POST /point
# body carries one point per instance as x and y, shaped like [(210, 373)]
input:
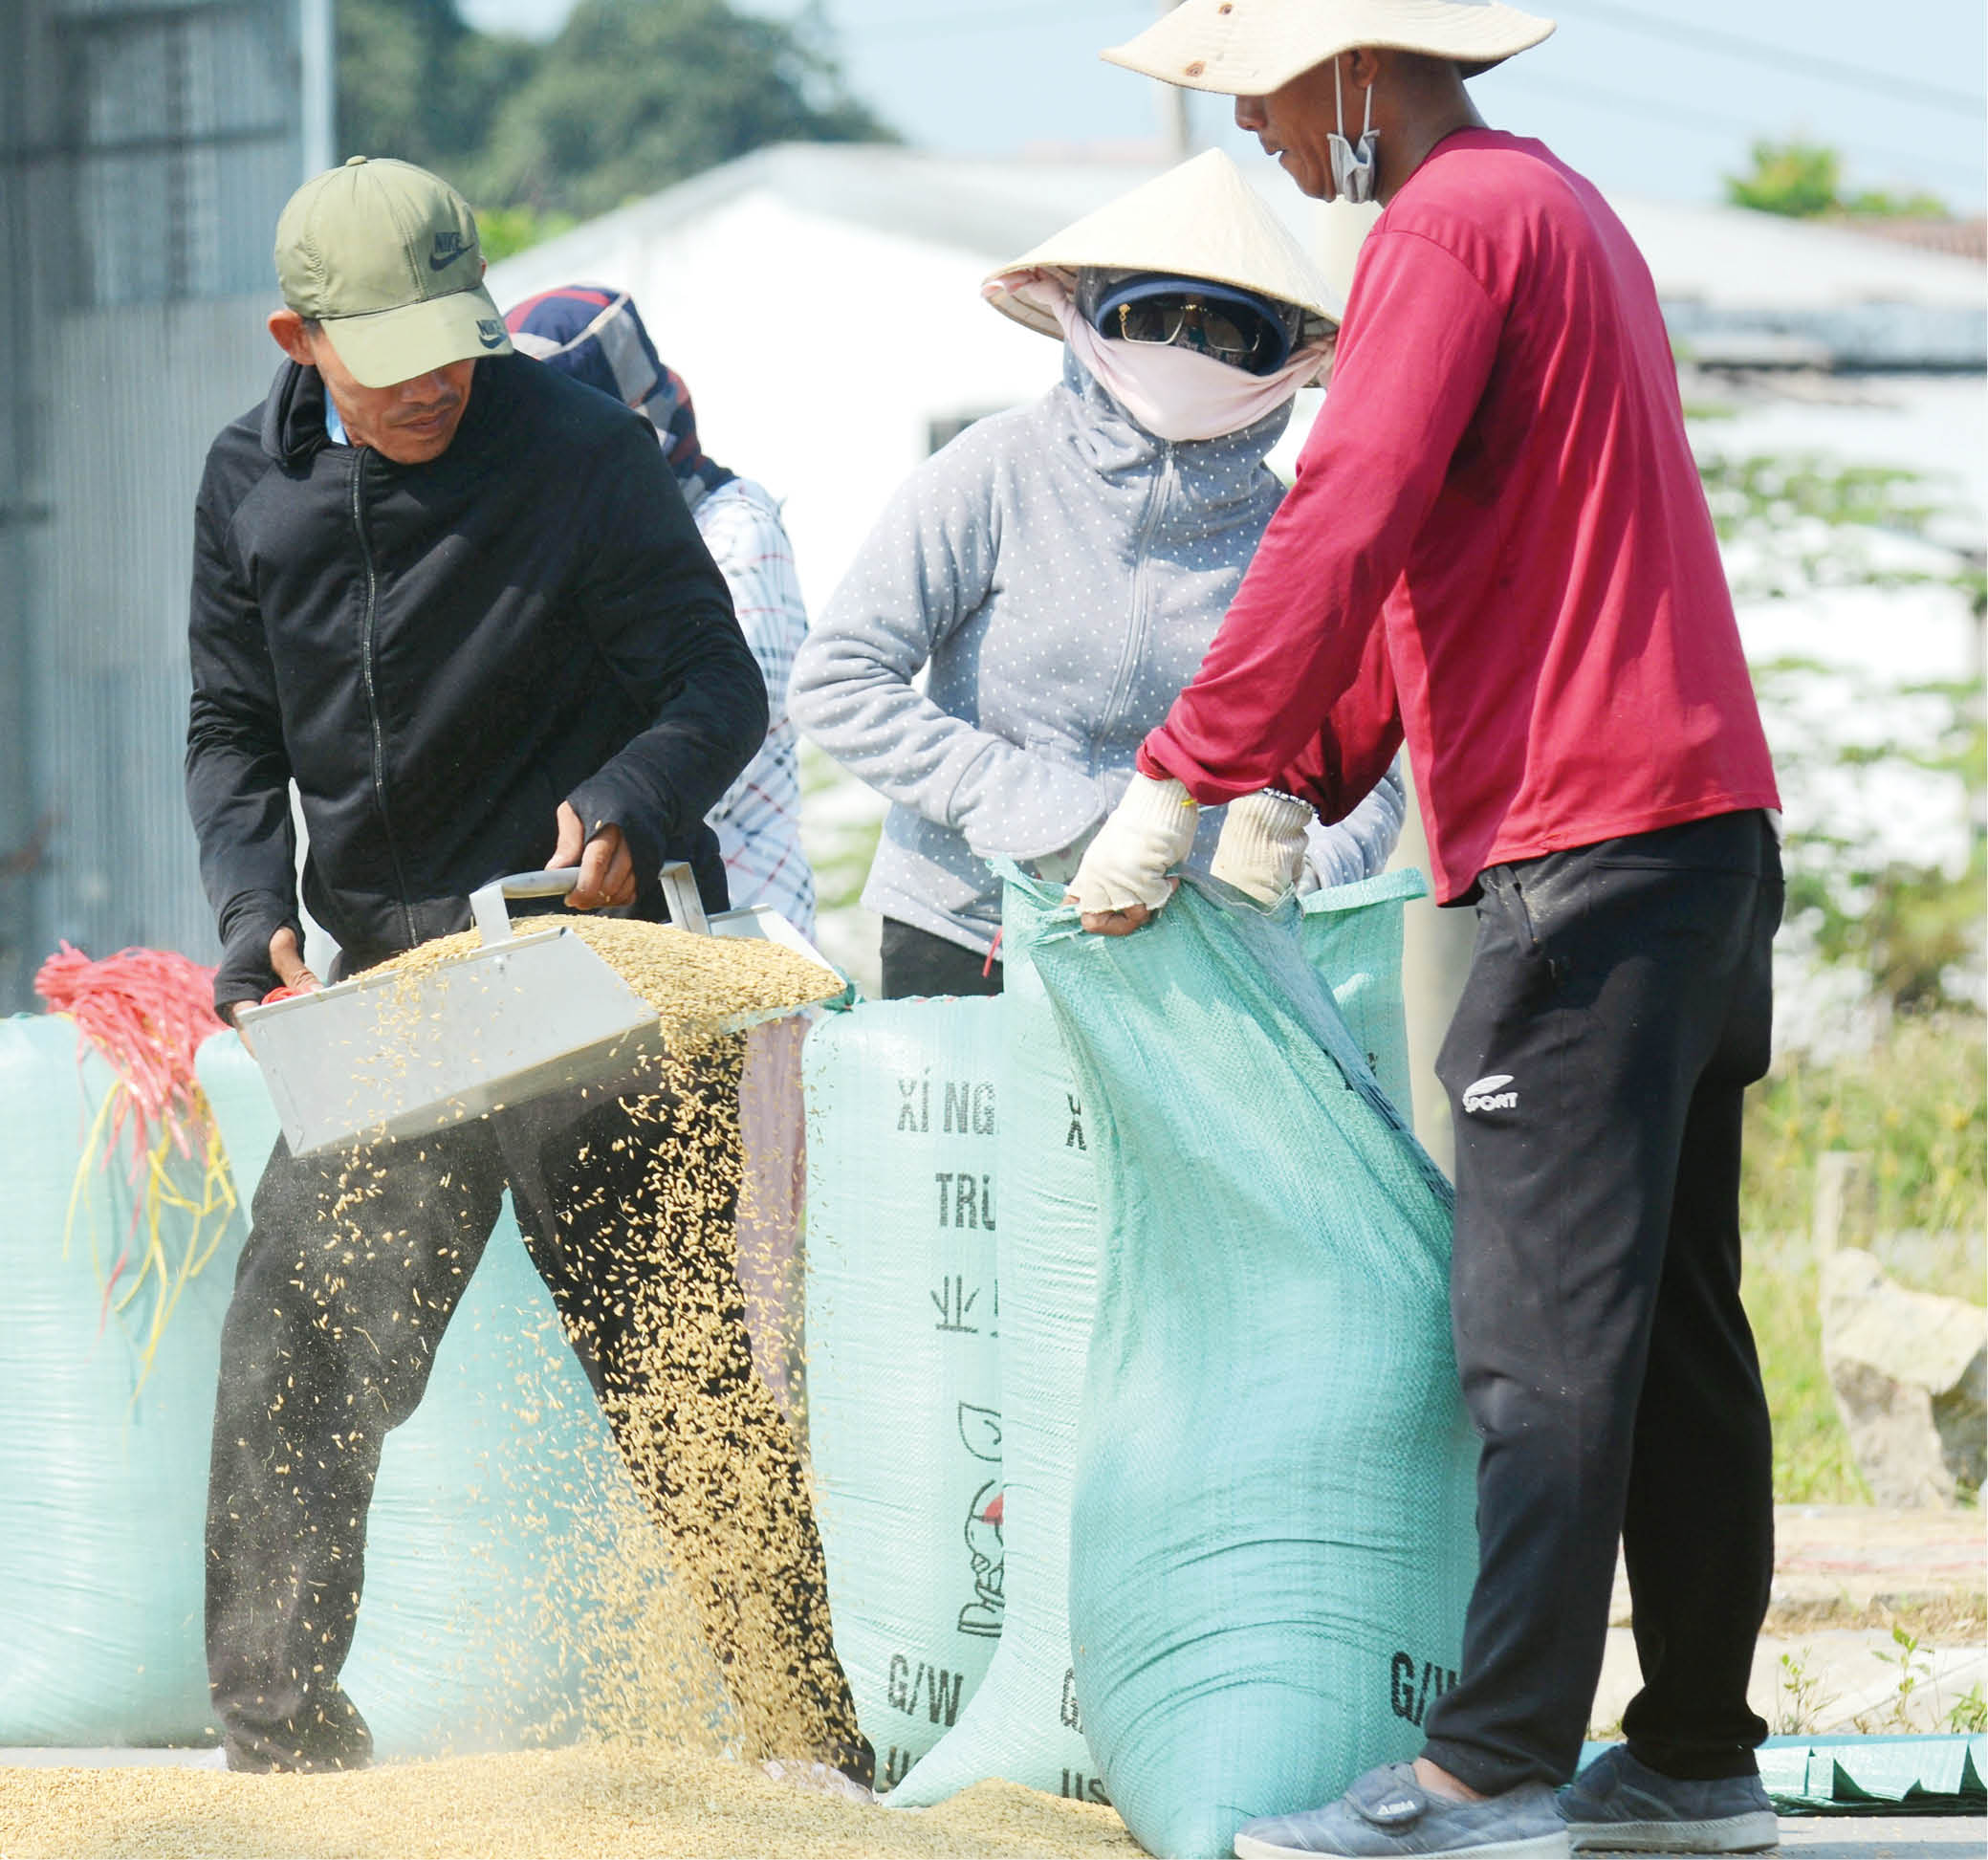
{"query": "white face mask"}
[(1353, 168)]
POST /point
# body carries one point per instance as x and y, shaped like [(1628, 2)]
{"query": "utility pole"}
[(1176, 125), (318, 87)]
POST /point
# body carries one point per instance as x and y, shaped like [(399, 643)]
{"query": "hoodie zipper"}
[(1136, 632), (368, 640)]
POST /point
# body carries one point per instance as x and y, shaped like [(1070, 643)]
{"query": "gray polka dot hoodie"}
[(1057, 573)]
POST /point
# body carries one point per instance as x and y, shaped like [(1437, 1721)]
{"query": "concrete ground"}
[(1910, 1837)]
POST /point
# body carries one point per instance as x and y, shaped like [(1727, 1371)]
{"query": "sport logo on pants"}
[(1490, 1094)]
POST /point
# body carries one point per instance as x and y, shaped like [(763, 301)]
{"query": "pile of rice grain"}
[(694, 983), (589, 1800)]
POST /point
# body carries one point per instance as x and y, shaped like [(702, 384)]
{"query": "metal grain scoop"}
[(533, 1011)]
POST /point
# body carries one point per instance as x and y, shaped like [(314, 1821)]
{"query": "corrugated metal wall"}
[(145, 149), (20, 486), (110, 681)]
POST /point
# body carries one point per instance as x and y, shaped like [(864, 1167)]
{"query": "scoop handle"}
[(680, 893), (486, 900)]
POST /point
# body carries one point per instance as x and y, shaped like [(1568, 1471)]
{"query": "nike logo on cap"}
[(489, 332), (448, 248)]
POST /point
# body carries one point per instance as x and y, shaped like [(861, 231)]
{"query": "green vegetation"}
[(507, 229), (630, 97), (1803, 1699), (1918, 1106), (1813, 1464), (1805, 519), (1805, 181), (1970, 1715), (1918, 1102)]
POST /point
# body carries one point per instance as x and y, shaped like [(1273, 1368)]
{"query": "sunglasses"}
[(1215, 330)]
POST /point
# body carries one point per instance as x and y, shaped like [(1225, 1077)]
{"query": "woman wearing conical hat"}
[(1056, 571)]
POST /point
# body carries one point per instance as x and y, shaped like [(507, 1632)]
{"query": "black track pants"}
[(352, 1270), (1619, 1003), (916, 962)]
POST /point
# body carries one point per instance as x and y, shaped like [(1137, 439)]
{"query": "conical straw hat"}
[(1199, 220), (1250, 48)]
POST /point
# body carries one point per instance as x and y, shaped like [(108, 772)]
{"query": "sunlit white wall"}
[(819, 352)]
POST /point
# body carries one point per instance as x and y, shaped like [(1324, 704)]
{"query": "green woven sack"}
[(103, 1483), (1270, 1534), (1351, 934), (904, 1373), (1025, 1723)]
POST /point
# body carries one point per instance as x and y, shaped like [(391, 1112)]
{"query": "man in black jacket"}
[(457, 598)]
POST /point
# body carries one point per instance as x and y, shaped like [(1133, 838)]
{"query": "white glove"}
[(1262, 850), (1145, 836)]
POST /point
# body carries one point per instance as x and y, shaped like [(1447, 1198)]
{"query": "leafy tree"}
[(1799, 179), (417, 83), (634, 95), (1805, 181), (631, 96), (505, 230)]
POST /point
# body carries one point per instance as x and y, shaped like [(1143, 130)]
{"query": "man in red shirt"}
[(1497, 548)]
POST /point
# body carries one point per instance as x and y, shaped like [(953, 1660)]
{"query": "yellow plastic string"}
[(94, 1157), (163, 1197)]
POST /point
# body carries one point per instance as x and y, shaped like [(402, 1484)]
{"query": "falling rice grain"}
[(691, 1592)]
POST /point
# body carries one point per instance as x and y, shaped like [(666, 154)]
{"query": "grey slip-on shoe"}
[(1387, 1813), (1618, 1804)]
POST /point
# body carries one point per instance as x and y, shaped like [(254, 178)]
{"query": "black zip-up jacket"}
[(438, 654)]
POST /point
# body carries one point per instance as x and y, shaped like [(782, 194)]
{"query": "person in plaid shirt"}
[(597, 336)]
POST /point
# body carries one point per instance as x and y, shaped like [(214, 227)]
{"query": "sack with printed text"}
[(1025, 1722), (902, 1370)]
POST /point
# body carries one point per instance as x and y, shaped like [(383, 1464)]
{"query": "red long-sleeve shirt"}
[(1498, 544)]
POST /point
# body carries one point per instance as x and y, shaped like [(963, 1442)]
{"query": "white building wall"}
[(819, 352)]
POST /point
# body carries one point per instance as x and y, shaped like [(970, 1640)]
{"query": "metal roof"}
[(1740, 288)]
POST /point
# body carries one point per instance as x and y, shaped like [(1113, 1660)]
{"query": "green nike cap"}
[(384, 256)]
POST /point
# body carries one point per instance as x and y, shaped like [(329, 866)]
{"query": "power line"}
[(1683, 115), (1734, 44), (1779, 57)]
